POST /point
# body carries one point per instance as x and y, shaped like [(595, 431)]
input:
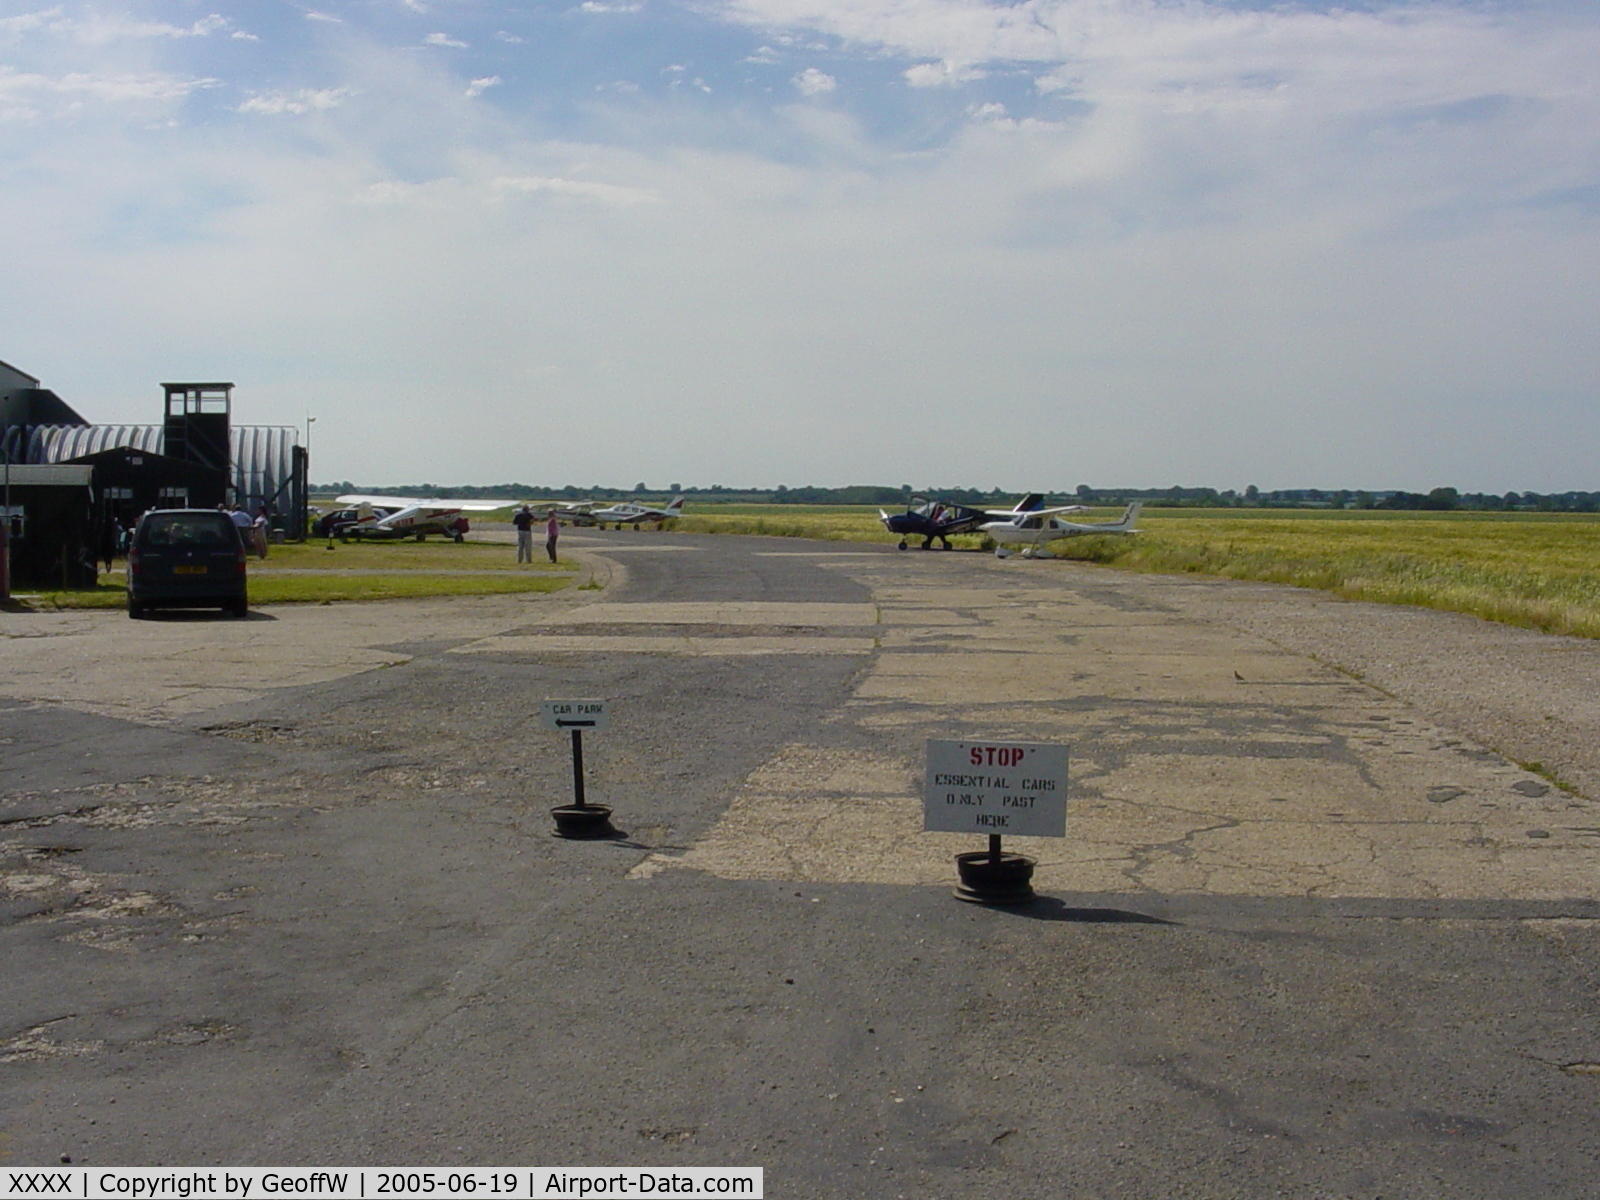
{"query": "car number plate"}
[(188, 570)]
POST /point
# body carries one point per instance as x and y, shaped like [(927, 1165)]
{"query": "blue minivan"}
[(186, 558)]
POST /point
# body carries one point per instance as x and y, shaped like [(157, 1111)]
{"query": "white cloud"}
[(478, 86), (610, 6), (812, 82), (314, 15), (297, 103), (12, 28), (502, 36), (444, 39), (600, 193), (942, 74), (98, 29), (28, 96)]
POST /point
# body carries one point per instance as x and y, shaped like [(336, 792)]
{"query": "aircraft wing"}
[(429, 502)]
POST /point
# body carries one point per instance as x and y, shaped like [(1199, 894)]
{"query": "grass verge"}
[(312, 574)]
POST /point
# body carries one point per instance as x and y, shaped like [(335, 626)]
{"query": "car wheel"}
[(239, 608), (135, 611)]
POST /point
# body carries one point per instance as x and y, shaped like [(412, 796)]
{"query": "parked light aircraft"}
[(579, 513), (1035, 530), (940, 519), (637, 514), (405, 516)]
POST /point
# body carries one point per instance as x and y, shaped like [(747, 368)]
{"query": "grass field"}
[(1537, 571), (840, 523)]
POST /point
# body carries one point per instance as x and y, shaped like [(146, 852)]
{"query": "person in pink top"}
[(552, 530)]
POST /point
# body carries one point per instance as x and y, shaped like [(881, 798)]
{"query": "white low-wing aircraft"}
[(637, 514), (406, 516), (1033, 531)]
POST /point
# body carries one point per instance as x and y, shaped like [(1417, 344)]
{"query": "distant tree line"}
[(1441, 499)]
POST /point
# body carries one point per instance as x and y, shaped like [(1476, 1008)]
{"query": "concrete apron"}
[(1204, 759), (169, 668)]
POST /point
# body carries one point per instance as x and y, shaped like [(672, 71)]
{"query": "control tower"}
[(197, 426)]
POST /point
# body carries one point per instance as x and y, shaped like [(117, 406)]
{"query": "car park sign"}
[(995, 788), (575, 714)]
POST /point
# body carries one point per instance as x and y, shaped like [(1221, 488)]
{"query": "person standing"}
[(259, 530), (245, 526), (552, 530), (523, 520)]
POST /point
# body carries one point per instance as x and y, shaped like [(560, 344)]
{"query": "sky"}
[(1031, 245)]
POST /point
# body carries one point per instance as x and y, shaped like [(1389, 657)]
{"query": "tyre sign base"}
[(995, 788)]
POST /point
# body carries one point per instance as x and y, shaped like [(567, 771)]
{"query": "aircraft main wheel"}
[(902, 543), (1001, 552), (459, 539)]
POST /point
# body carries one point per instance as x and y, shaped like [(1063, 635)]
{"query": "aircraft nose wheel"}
[(902, 543)]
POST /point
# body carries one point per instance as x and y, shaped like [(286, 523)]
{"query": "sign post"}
[(580, 819), (995, 788)]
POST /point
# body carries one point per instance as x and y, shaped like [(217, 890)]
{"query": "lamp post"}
[(304, 515)]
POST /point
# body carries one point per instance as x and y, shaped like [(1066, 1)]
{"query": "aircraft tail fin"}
[(676, 506), (1030, 502)]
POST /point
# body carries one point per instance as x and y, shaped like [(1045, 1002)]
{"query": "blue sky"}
[(752, 242)]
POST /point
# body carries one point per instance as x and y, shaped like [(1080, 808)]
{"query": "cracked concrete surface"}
[(1206, 758)]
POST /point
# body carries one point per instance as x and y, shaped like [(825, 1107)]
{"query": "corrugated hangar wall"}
[(262, 455)]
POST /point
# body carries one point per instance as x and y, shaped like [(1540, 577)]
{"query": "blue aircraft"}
[(942, 519)]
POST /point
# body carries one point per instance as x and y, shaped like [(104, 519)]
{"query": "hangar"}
[(196, 456)]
